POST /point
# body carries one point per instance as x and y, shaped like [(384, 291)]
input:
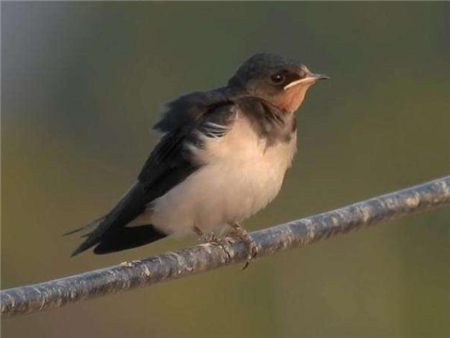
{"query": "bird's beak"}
[(318, 77), (310, 79)]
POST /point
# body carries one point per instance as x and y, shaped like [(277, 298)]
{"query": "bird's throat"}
[(291, 99)]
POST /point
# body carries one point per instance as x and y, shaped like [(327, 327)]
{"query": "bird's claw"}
[(252, 252), (207, 237), (213, 238), (210, 237), (239, 233), (250, 244)]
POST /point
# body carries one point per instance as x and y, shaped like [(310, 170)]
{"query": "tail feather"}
[(87, 244), (129, 207), (128, 238), (85, 227)]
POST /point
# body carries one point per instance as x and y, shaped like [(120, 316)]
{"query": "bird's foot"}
[(250, 244), (207, 237), (213, 238)]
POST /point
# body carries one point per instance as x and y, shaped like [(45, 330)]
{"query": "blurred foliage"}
[(83, 82)]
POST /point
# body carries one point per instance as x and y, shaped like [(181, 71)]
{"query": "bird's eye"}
[(277, 78)]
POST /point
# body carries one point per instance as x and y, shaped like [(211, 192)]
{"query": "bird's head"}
[(273, 78)]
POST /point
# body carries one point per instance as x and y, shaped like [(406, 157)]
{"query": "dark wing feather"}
[(192, 107), (168, 165)]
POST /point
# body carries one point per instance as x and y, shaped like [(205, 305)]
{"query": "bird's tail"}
[(93, 224), (91, 240), (112, 232), (128, 238), (117, 239)]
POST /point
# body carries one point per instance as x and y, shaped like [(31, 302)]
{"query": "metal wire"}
[(126, 276)]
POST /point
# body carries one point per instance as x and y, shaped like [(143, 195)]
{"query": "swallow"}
[(221, 157)]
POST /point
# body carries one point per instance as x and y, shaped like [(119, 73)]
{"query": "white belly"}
[(239, 177)]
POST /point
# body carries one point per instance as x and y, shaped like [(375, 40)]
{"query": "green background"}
[(82, 83)]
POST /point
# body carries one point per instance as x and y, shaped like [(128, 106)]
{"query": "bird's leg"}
[(206, 238), (212, 238), (242, 234)]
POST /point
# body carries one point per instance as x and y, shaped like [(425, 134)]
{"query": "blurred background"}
[(82, 84)]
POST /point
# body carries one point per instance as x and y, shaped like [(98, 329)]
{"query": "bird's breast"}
[(240, 174)]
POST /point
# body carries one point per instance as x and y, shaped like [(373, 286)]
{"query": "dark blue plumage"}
[(258, 92), (168, 165)]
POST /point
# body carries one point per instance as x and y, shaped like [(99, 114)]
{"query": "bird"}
[(221, 157)]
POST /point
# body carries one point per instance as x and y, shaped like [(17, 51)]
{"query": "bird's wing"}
[(169, 164)]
